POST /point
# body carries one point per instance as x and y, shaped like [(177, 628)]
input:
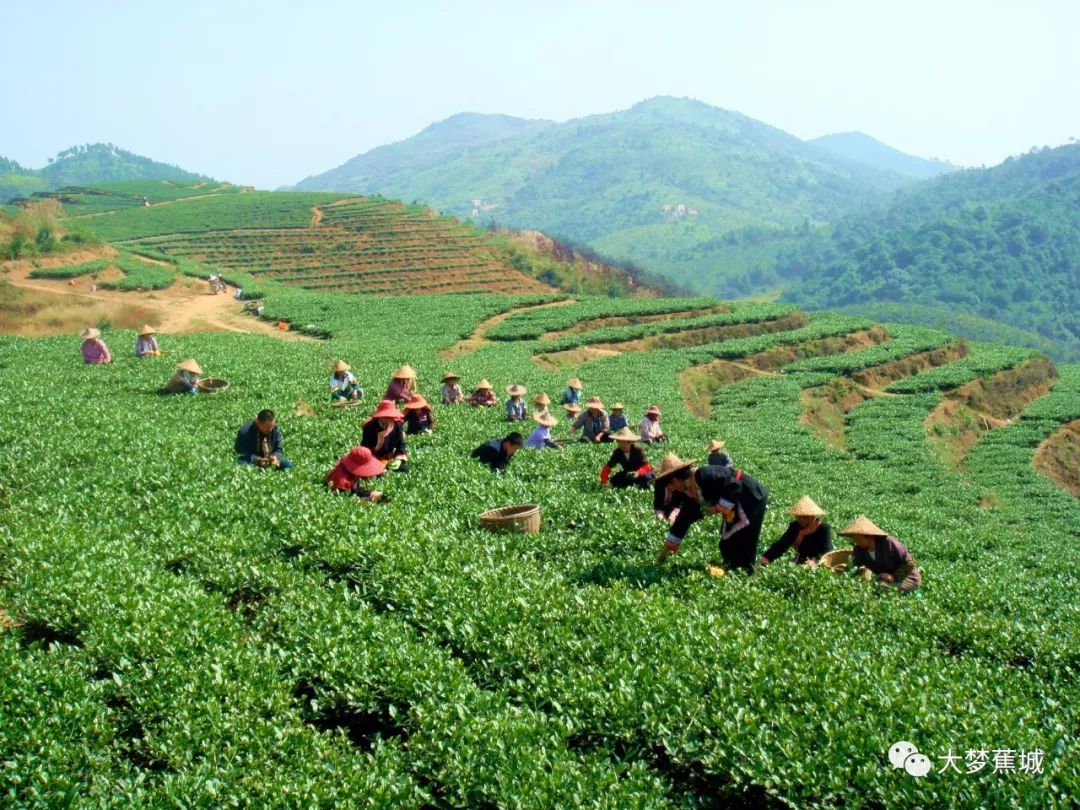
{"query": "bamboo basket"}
[(837, 561), (524, 518), (211, 385)]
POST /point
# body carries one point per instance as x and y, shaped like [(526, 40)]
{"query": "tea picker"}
[(258, 442), (384, 436), (636, 470), (498, 452), (807, 534), (738, 497)]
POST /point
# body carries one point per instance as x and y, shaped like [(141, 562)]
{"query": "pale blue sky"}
[(267, 93)]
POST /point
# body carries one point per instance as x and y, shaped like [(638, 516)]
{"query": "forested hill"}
[(1000, 243), (860, 148), (85, 165), (675, 185), (442, 141)]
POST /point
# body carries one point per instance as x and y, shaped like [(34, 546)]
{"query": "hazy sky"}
[(268, 93)]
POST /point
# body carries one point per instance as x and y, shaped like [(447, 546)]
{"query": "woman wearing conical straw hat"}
[(617, 418), (650, 426), (186, 378), (541, 401), (355, 472), (483, 396), (384, 436), (419, 416), (540, 438), (343, 384), (146, 344), (592, 422), (808, 534), (94, 350), (716, 456), (636, 470), (516, 408), (451, 390), (738, 497), (572, 394), (402, 385), (878, 553)]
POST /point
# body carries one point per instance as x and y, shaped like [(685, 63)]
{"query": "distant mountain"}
[(674, 185), (84, 165), (1001, 243), (859, 148), (438, 143)]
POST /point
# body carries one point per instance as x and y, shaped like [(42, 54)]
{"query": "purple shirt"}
[(397, 391), (890, 556), (94, 351), (538, 437), (145, 344)]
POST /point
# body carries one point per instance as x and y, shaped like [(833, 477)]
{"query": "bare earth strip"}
[(479, 337), (52, 307), (1058, 458)]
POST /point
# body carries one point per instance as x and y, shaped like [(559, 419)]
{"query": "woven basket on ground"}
[(838, 560), (211, 385), (524, 518)]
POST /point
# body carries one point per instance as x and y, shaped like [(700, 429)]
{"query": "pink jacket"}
[(95, 352)]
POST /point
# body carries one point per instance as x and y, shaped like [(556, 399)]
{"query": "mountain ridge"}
[(671, 184), (861, 148)]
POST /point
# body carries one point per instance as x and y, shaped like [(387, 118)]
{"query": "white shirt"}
[(649, 428), (337, 385)]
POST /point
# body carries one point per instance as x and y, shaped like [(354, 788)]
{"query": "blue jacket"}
[(247, 442)]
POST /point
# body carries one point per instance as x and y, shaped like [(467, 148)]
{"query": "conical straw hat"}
[(147, 330), (516, 390), (618, 406), (484, 384), (450, 376), (671, 464), (542, 399), (715, 446), (90, 332), (190, 365), (572, 408), (595, 402), (341, 365), (805, 507), (405, 372), (546, 419), (574, 382), (625, 434), (863, 525)]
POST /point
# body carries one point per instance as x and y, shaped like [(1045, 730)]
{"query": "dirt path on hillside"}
[(479, 338), (50, 307)]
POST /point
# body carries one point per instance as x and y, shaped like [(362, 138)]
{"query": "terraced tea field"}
[(315, 241), (181, 631)]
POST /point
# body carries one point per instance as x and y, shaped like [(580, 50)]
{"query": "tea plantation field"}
[(188, 633), (324, 241)]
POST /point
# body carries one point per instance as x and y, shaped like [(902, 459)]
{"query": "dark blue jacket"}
[(492, 454), (247, 442)]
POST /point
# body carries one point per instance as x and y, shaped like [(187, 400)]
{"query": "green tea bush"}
[(71, 271), (201, 634)]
